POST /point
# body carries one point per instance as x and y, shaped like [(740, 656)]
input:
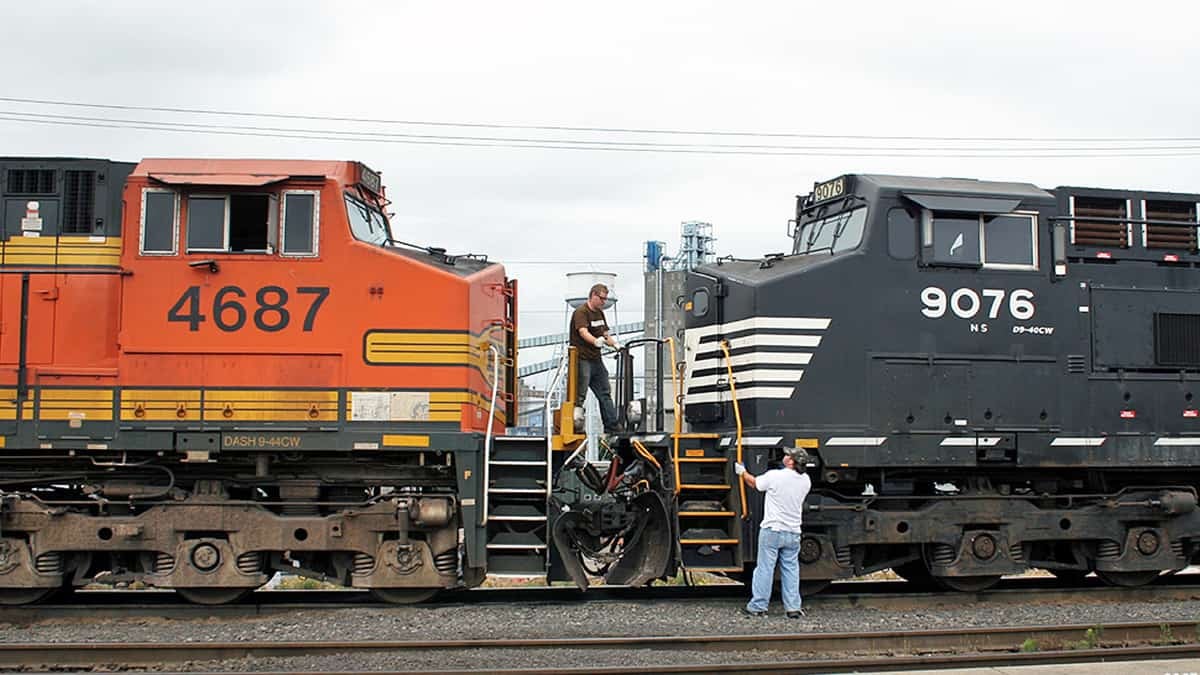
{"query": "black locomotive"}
[(989, 377)]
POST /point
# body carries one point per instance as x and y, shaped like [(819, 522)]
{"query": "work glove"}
[(600, 342), (616, 345), (739, 468)]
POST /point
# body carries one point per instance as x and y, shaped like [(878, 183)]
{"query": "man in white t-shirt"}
[(779, 533)]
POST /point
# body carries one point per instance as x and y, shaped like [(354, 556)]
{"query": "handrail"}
[(675, 406), (675, 382), (737, 414), (546, 414), (487, 439)]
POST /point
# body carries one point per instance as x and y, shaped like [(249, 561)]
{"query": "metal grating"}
[(1109, 227), (79, 198), (31, 181), (1170, 225), (1177, 339)]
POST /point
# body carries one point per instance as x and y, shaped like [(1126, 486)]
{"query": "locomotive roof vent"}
[(1170, 224), (1100, 221), (30, 181)]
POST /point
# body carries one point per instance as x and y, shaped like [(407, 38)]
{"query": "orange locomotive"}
[(239, 372)]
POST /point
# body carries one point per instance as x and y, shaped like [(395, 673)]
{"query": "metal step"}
[(517, 512), (519, 449), (516, 564), (526, 541)]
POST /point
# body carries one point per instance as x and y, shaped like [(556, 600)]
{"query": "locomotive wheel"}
[(213, 596), (404, 596), (1128, 579), (25, 596), (968, 584)]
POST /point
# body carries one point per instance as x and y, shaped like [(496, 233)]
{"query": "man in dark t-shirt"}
[(589, 332)]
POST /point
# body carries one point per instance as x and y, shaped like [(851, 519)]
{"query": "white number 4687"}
[(967, 303)]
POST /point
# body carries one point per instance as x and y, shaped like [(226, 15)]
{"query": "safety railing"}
[(558, 373), (737, 416), (487, 438)]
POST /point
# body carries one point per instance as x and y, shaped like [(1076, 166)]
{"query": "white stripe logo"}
[(769, 365)]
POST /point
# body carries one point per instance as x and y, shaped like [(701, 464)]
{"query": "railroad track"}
[(884, 595), (802, 652)]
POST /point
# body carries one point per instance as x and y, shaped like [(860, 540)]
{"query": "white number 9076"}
[(967, 303)]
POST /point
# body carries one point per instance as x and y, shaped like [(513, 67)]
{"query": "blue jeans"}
[(785, 547), (593, 375)]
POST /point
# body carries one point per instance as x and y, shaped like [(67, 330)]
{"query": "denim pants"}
[(593, 375), (785, 547)]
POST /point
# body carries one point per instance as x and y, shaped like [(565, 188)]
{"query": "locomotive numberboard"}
[(830, 189)]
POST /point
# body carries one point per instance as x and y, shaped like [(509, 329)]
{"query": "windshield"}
[(836, 233), (367, 223)]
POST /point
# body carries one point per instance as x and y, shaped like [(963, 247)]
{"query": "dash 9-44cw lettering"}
[(269, 312)]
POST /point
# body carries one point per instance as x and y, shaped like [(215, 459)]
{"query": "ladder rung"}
[(521, 518), (516, 547), (701, 514), (516, 462), (708, 541), (691, 568), (693, 486), (712, 460), (697, 435), (517, 491)]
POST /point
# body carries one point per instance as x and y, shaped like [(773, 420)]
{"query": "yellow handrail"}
[(675, 387), (675, 406), (737, 414)]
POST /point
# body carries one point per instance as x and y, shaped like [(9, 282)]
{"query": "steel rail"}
[(997, 644), (883, 595)]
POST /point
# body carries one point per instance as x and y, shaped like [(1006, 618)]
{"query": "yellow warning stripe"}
[(8, 404), (64, 251), (160, 405), (76, 404)]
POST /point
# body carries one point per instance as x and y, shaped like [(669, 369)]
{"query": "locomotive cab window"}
[(998, 241), (367, 223), (300, 225), (834, 234), (160, 222), (235, 223)]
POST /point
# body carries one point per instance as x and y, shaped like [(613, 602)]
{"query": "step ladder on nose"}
[(518, 491), (708, 505)]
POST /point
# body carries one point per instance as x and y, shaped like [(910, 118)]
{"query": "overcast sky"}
[(979, 71)]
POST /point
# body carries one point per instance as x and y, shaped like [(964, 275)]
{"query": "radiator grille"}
[(1171, 225), (31, 181), (1109, 227), (1176, 339), (79, 200), (1076, 363)]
